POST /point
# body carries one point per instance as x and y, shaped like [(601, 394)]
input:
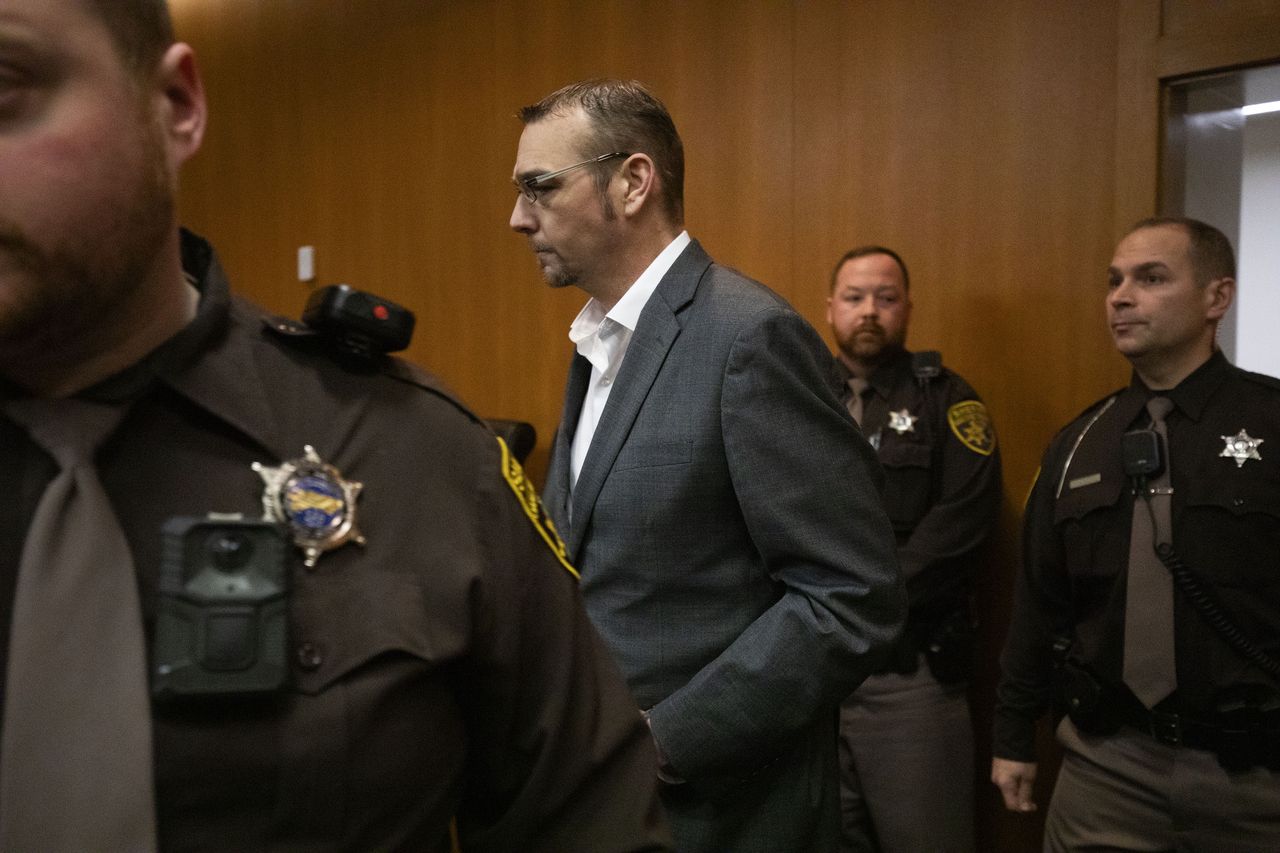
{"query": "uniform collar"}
[(210, 320), (206, 362), (1191, 395), (892, 373), (215, 363), (884, 378)]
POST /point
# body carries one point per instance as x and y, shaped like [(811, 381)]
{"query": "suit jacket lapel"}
[(657, 330), (556, 494)]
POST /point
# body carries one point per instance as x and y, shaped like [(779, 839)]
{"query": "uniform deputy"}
[(1147, 605), (432, 656), (906, 736)]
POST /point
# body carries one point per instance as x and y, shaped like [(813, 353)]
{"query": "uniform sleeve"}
[(1041, 608), (807, 486), (560, 759), (967, 497)]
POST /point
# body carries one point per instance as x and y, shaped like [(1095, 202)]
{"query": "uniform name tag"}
[(1085, 481)]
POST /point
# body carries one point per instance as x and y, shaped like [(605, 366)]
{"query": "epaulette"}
[(297, 335), (1262, 379), (926, 365), (411, 374), (1094, 408), (292, 332)]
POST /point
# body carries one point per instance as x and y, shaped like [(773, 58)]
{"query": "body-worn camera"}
[(222, 612), (362, 324), (1142, 453)]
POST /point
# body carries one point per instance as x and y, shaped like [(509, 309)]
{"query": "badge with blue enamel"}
[(310, 497)]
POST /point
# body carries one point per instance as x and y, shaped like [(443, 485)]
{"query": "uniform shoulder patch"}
[(513, 473), (972, 425)]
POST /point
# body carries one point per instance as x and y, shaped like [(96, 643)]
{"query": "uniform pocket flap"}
[(354, 627), (1082, 495), (1239, 495), (905, 455)]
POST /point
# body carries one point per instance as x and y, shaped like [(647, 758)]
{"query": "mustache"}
[(869, 326), (11, 236), (16, 243)]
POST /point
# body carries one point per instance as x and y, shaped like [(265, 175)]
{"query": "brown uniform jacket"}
[(1226, 526), (942, 469), (445, 668)]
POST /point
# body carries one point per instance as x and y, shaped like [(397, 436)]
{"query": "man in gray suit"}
[(719, 502)]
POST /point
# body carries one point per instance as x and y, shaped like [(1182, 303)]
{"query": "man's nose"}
[(521, 220)]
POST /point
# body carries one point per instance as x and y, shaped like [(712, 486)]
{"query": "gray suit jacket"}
[(734, 553)]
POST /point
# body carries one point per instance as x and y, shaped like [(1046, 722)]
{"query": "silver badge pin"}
[(903, 421), (1241, 447)]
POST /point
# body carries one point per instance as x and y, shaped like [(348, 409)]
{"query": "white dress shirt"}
[(602, 339)]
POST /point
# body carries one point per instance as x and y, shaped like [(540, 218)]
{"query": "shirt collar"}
[(626, 312)]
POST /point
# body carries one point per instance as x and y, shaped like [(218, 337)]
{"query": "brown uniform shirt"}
[(941, 459), (1226, 526), (445, 668)]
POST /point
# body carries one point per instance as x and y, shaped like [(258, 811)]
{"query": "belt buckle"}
[(1165, 727)]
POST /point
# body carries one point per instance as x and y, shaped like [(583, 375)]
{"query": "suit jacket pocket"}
[(654, 453)]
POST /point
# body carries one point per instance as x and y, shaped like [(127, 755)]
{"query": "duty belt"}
[(1241, 739)]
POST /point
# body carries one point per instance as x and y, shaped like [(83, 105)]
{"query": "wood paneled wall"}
[(977, 137)]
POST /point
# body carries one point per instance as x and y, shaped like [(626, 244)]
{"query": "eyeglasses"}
[(531, 188)]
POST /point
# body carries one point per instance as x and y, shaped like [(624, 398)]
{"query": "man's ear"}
[(1219, 295), (639, 183), (179, 101)]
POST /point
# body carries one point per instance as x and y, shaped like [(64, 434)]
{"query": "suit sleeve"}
[(807, 486), (964, 508), (561, 758)]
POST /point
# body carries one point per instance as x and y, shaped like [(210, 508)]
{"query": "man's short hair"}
[(862, 252), (625, 116), (1211, 254), (141, 29)]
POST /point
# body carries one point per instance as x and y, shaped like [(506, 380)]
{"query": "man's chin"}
[(868, 350), (1127, 346), (557, 278)]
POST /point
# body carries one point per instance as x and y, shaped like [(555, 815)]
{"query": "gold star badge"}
[(1241, 447)]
